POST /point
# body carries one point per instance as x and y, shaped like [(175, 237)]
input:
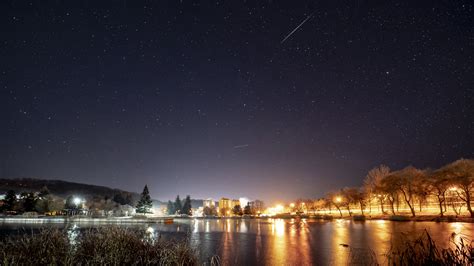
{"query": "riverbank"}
[(396, 218), (166, 219), (79, 219), (424, 218)]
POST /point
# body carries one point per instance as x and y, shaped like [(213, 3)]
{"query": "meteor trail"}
[(241, 146), (293, 31)]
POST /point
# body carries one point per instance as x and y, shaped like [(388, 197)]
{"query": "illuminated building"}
[(210, 203), (226, 205), (235, 203)]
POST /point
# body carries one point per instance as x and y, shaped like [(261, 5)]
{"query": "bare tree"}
[(372, 184), (336, 200), (353, 196), (439, 184), (310, 206), (361, 199), (461, 173), (320, 204), (407, 182), (389, 190), (421, 187)]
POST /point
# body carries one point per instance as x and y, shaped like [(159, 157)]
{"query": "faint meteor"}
[(241, 146), (293, 31)]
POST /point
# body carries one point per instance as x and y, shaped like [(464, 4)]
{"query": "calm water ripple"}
[(289, 242)]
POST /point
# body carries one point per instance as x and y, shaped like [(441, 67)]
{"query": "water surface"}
[(280, 241)]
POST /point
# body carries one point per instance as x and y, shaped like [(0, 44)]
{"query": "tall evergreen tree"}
[(247, 209), (178, 205), (145, 203), (29, 201), (187, 206), (10, 200), (170, 208)]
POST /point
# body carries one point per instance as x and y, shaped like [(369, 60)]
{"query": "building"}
[(235, 202), (210, 203), (226, 205)]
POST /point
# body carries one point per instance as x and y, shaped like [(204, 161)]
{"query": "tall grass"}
[(50, 247), (104, 246), (423, 251)]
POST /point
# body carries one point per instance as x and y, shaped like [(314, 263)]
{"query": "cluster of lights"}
[(277, 209)]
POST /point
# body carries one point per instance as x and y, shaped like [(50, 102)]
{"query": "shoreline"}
[(171, 219)]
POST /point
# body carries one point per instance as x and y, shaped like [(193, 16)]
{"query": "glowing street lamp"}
[(77, 201), (338, 199)]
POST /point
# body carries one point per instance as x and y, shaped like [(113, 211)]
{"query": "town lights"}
[(292, 205), (279, 208), (76, 201)]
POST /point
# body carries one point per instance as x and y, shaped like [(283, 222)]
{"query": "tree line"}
[(449, 187), (180, 207), (45, 202)]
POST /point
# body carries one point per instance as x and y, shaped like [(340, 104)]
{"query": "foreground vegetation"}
[(102, 246), (423, 251)]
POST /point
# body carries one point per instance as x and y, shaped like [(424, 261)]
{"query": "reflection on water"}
[(280, 241), (73, 234), (383, 235), (277, 247), (340, 242)]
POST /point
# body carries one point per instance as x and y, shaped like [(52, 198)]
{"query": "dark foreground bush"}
[(104, 246), (51, 247), (423, 251)]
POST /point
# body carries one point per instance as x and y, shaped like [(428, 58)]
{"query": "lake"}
[(283, 241)]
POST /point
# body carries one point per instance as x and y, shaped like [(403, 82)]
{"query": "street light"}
[(76, 201), (338, 199)]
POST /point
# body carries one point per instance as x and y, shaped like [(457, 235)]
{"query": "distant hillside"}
[(57, 187), (61, 188), (65, 188)]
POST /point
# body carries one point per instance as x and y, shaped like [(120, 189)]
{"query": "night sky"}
[(205, 98)]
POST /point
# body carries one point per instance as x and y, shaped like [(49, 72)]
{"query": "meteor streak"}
[(293, 31), (241, 146)]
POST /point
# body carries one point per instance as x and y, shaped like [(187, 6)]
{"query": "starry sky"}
[(208, 98)]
